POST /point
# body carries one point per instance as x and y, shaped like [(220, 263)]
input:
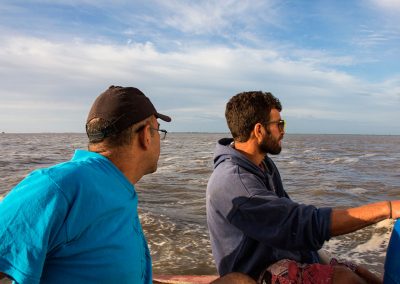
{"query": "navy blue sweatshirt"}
[(251, 219)]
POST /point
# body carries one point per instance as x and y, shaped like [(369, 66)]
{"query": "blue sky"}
[(335, 65)]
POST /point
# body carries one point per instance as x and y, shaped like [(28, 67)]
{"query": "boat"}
[(183, 279)]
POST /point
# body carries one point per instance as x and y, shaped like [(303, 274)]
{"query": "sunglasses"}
[(281, 124)]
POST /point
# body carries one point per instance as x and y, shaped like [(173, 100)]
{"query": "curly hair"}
[(246, 109)]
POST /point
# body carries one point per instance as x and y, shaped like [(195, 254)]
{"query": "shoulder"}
[(56, 182), (232, 179), (37, 188), (70, 177)]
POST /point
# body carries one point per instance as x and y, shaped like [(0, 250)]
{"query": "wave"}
[(346, 160), (318, 169), (357, 190), (366, 246)]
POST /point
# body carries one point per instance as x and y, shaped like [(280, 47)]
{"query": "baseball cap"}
[(120, 107)]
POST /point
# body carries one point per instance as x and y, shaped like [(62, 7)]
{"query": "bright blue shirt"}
[(392, 262), (75, 222)]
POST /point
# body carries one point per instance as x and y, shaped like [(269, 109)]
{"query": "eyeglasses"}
[(281, 124), (163, 132)]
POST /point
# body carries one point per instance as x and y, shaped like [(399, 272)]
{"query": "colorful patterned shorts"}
[(288, 271)]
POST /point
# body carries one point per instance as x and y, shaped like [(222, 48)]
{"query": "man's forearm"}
[(348, 220)]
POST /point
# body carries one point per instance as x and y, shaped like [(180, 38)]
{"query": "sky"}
[(334, 65)]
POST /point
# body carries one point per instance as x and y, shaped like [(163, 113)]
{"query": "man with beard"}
[(255, 228)]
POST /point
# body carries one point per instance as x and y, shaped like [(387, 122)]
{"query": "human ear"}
[(145, 137), (258, 131)]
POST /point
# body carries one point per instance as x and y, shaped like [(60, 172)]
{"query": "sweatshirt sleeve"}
[(30, 215), (279, 222)]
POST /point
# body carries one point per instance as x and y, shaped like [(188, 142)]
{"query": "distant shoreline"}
[(195, 132)]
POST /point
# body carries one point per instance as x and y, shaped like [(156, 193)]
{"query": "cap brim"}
[(163, 117)]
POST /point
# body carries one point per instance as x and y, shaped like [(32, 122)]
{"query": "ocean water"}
[(324, 170)]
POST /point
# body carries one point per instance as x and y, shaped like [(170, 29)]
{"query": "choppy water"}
[(324, 170)]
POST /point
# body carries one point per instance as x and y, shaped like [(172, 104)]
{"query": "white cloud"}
[(190, 57), (388, 5), (202, 17), (370, 36), (41, 78)]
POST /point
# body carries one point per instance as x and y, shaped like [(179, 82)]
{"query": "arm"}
[(282, 223), (344, 221)]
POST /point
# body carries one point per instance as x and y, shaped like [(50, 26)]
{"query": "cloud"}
[(64, 77), (373, 36), (388, 5), (190, 57), (218, 17)]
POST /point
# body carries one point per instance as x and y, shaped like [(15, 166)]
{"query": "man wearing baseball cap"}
[(77, 222)]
